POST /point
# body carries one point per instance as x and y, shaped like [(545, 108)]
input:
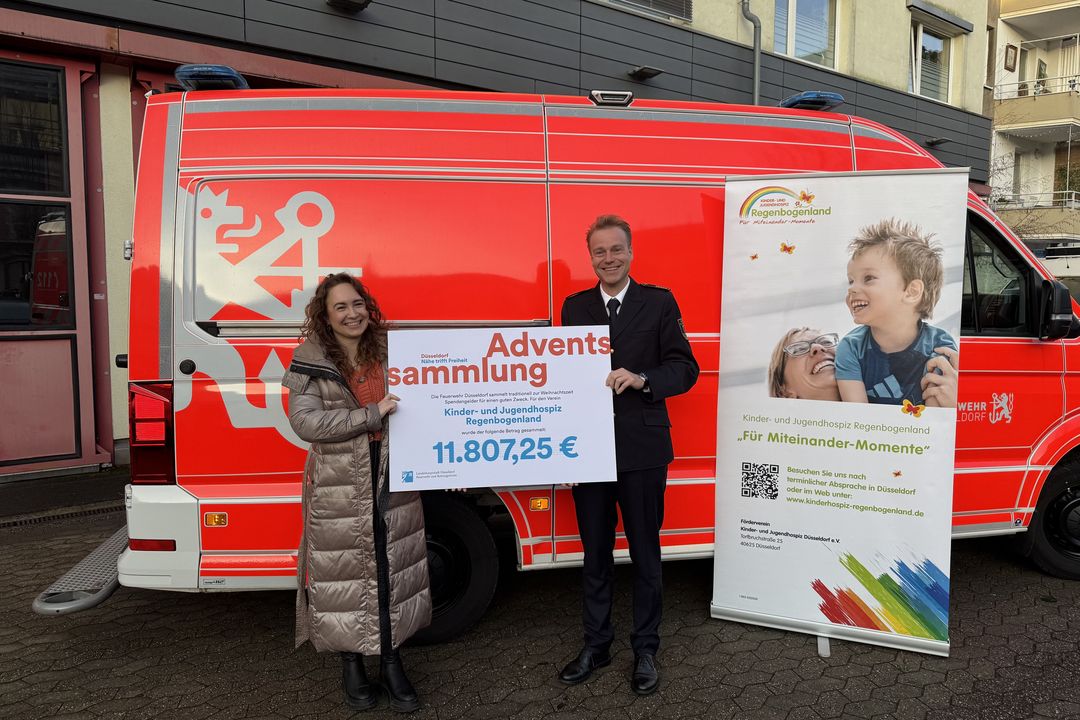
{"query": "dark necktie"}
[(613, 311)]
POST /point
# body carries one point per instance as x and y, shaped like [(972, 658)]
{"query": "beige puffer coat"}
[(337, 604)]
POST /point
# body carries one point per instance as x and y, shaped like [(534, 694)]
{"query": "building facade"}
[(932, 50), (1035, 163), (74, 73)]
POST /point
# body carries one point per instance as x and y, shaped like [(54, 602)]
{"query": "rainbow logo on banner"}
[(752, 199), (910, 601)]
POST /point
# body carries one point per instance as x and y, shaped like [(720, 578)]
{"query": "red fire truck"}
[(468, 209), (50, 299)]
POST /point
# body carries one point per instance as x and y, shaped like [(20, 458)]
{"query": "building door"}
[(46, 407)]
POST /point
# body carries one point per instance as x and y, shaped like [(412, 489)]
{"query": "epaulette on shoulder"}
[(580, 292), (655, 287)]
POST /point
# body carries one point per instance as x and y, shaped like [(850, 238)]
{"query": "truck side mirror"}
[(1057, 315)]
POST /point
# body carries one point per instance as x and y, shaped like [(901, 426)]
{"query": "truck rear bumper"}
[(161, 512), (170, 512)]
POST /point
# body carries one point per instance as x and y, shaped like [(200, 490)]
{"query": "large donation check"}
[(496, 407)]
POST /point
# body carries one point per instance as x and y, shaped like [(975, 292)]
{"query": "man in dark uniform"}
[(651, 360)]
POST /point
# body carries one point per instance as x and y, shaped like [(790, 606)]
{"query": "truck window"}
[(997, 287)]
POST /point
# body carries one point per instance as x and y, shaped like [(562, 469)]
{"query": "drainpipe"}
[(756, 22)]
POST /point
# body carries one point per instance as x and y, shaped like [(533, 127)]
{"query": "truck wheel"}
[(1054, 542), (463, 566)]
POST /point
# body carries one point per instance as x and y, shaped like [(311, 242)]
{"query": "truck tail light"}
[(153, 461), (152, 545)]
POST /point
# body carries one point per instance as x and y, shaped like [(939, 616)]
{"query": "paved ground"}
[(1015, 635)]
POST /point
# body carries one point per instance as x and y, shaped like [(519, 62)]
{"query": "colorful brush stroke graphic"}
[(907, 600)]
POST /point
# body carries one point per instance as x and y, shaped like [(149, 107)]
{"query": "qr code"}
[(759, 480)]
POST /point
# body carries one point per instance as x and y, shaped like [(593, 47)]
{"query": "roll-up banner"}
[(836, 417)]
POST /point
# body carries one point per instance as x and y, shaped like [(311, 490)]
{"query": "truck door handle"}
[(121, 360), (187, 366)]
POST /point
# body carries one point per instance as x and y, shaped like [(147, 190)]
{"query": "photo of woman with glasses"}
[(803, 366)]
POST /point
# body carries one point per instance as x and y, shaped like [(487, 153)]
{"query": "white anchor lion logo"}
[(1001, 407), (223, 281)]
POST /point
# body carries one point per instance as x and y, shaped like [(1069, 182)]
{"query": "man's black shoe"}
[(580, 668), (645, 677)]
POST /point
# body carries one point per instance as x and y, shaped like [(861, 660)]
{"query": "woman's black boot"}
[(359, 695), (402, 694)]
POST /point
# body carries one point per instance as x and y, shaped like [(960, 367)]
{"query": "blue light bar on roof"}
[(814, 100), (210, 77)]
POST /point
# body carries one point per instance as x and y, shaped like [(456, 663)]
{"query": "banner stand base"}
[(824, 632), (823, 648)]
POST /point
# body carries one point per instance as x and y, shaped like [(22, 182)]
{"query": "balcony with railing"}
[(1035, 88), (1047, 108), (1033, 97), (1026, 201), (1040, 214)]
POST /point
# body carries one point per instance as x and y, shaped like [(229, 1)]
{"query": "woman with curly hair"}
[(362, 566)]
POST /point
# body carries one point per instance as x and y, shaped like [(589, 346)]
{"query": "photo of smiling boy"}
[(895, 277)]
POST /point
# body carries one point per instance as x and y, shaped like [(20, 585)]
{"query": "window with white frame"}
[(929, 63), (806, 29)]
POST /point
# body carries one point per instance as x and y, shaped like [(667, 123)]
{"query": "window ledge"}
[(632, 7), (939, 20), (809, 63), (947, 104)]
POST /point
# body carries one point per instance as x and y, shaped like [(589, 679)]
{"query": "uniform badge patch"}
[(682, 329)]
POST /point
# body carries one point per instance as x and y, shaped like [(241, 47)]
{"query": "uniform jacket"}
[(337, 603), (648, 337)]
